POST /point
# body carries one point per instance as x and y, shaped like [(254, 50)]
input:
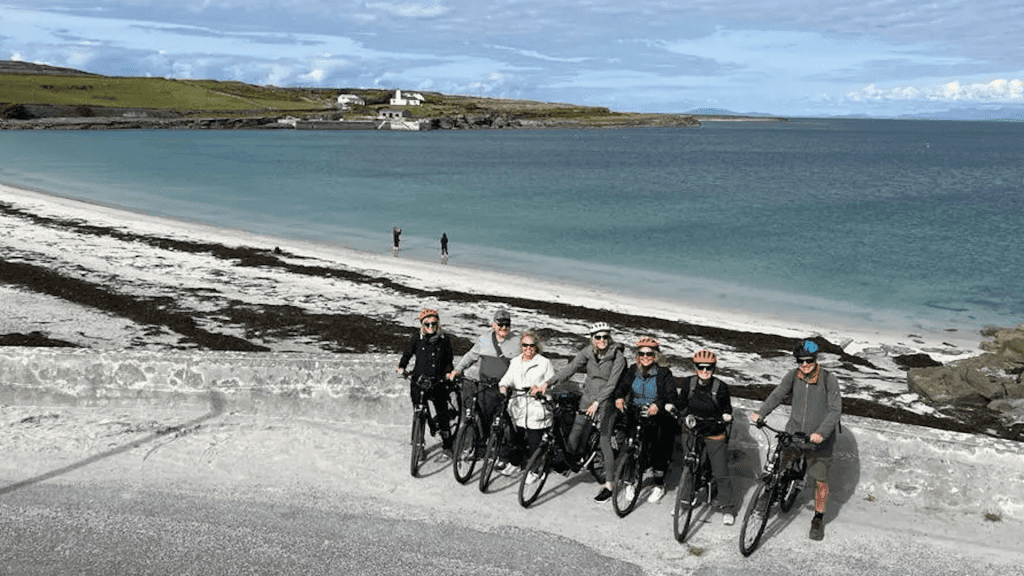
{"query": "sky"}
[(885, 58)]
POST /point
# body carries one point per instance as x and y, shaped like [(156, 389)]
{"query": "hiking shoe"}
[(603, 495), (817, 529), (657, 493), (728, 519)]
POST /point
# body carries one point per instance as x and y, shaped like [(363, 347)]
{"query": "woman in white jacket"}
[(528, 372)]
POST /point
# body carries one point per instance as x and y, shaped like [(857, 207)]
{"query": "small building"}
[(392, 114), (412, 99), (346, 101)]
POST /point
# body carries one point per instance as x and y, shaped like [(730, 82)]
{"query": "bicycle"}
[(553, 453), (778, 485), (471, 439), (632, 461), (697, 478), (422, 416), (499, 437)]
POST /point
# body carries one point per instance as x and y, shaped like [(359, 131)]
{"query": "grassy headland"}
[(39, 94)]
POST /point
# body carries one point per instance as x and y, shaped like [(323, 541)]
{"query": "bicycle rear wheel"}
[(466, 450), (686, 501), (497, 439), (755, 519), (628, 477), (418, 451), (537, 469)]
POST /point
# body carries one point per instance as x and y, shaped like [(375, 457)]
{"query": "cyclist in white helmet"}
[(604, 361)]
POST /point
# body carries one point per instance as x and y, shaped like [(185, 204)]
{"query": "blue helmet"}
[(805, 348)]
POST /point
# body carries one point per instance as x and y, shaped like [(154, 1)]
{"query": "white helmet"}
[(599, 327)]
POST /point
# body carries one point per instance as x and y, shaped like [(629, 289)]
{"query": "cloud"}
[(432, 10), (998, 90)]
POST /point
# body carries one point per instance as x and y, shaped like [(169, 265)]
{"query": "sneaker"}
[(603, 495), (628, 492), (532, 478), (657, 493), (728, 519), (817, 529)]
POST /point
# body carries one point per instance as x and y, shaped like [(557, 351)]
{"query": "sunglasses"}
[(806, 360), (704, 367), (602, 336), (528, 345), (504, 324), (645, 354), (430, 324)]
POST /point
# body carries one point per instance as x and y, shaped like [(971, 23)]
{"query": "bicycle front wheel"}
[(419, 422), (626, 490), (496, 440), (755, 519), (686, 501), (466, 450), (534, 477)]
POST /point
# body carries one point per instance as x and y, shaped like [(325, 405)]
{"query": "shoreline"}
[(138, 282)]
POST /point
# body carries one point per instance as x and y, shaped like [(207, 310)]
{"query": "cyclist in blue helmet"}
[(817, 404)]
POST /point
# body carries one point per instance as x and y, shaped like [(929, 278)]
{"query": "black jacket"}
[(434, 356)]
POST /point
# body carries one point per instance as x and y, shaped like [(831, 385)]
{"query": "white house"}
[(347, 100), (412, 99)]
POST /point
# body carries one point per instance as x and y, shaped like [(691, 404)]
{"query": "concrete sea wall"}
[(875, 461)]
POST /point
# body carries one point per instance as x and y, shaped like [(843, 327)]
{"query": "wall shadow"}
[(217, 404)]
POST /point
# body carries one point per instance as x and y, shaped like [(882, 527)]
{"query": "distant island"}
[(35, 96)]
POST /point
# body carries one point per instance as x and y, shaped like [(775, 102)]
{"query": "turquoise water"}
[(875, 223)]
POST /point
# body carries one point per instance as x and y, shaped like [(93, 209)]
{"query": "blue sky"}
[(795, 58)]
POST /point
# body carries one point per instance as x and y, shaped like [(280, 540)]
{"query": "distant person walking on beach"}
[(432, 349), (817, 404), (605, 362), (649, 385), (444, 244), (706, 397), (494, 349), (396, 237)]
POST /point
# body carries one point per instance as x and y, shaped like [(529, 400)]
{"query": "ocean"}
[(879, 225)]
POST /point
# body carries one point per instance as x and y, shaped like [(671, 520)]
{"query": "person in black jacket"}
[(706, 397), (432, 349), (648, 383)]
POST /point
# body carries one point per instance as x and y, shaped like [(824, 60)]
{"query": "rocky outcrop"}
[(995, 378), (474, 122)]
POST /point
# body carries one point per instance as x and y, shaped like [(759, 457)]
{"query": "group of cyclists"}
[(614, 390)]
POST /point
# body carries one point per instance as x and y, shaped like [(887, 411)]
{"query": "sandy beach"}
[(108, 281)]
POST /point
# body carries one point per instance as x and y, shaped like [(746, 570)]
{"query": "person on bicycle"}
[(649, 384), (817, 405), (605, 362), (528, 371), (493, 349), (432, 349), (706, 408)]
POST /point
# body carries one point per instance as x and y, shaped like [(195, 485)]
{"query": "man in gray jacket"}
[(817, 405)]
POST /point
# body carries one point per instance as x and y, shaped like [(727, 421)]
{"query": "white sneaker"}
[(628, 491), (532, 478), (728, 519), (656, 494)]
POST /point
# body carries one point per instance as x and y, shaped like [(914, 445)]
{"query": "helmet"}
[(427, 313), (647, 342), (705, 357), (599, 327), (805, 348)]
